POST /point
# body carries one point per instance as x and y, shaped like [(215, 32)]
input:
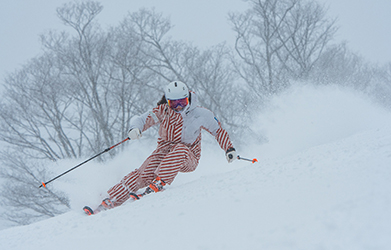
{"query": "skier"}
[(180, 121)]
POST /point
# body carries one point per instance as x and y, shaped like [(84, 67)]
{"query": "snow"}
[(322, 182)]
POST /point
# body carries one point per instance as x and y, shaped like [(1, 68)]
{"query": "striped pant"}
[(166, 162)]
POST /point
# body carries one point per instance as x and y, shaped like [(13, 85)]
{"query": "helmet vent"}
[(176, 90)]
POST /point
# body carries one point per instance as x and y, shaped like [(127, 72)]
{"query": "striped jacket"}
[(183, 127)]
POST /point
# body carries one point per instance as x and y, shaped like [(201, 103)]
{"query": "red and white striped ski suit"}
[(179, 146)]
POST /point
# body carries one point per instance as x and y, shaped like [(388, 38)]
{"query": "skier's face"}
[(178, 105)]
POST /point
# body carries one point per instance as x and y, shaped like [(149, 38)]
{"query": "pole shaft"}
[(245, 159), (106, 150)]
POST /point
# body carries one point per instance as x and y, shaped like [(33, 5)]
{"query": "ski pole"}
[(106, 150), (245, 159)]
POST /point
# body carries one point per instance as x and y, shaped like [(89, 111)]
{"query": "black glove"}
[(231, 155)]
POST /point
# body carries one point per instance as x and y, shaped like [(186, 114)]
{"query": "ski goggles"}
[(180, 102)]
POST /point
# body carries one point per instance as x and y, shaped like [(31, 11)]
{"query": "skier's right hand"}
[(134, 134), (231, 155)]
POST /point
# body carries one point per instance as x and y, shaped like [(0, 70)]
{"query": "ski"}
[(88, 210), (156, 186), (106, 205)]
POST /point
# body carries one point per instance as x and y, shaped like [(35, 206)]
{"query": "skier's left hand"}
[(231, 155)]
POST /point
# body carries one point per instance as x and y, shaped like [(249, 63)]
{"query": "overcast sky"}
[(364, 24)]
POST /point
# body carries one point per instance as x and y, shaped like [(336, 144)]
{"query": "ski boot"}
[(157, 185)]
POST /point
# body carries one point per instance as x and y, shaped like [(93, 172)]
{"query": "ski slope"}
[(322, 182)]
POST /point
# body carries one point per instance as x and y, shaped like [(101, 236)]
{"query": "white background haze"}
[(323, 177), (364, 24), (322, 182)]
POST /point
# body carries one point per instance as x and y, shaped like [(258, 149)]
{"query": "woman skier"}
[(180, 121)]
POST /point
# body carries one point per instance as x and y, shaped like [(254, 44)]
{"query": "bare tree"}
[(136, 87), (34, 113), (338, 65), (84, 58), (56, 107), (309, 31), (79, 95), (258, 43), (24, 201), (383, 91), (206, 72), (279, 40)]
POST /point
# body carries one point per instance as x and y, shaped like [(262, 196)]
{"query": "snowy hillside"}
[(322, 182)]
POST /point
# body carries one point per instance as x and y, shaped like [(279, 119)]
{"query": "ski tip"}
[(254, 160), (43, 185), (88, 210), (134, 196)]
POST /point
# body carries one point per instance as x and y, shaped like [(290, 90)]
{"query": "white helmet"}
[(176, 90)]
